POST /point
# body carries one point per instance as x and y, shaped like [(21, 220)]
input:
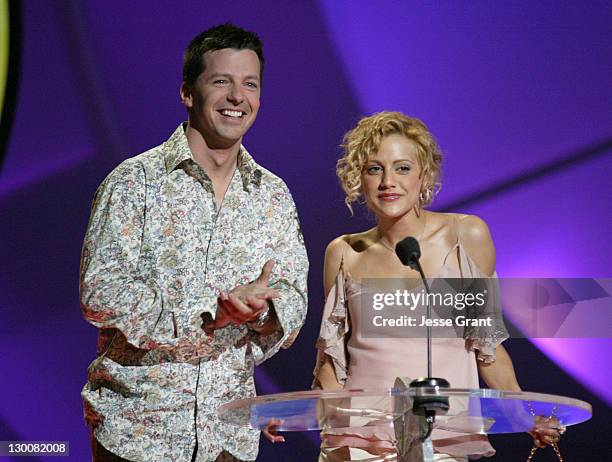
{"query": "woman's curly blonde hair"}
[(361, 144)]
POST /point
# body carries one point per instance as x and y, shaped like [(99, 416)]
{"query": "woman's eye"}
[(373, 169), (404, 168)]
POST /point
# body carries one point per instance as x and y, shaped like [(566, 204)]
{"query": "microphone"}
[(409, 252)]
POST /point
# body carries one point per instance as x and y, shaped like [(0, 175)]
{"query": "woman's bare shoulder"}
[(476, 238), (337, 246), (472, 227), (341, 251), (352, 243)]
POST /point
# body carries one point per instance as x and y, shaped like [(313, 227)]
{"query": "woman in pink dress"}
[(392, 163)]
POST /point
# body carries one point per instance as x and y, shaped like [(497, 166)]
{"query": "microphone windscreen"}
[(408, 251)]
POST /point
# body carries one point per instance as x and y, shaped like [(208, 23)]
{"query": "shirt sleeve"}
[(289, 278), (114, 291)]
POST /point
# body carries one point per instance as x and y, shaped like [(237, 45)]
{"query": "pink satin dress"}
[(374, 363)]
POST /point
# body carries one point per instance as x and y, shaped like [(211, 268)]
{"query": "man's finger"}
[(258, 304), (268, 294), (208, 323), (266, 271), (222, 317), (270, 431), (226, 315), (237, 310), (272, 293)]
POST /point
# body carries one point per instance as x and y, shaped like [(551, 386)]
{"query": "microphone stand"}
[(428, 406), (419, 268)]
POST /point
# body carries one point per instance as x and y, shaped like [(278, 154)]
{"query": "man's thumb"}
[(266, 271)]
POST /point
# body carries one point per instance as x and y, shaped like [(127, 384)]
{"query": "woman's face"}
[(390, 180)]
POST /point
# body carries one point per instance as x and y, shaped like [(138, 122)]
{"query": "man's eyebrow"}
[(230, 76), (219, 74)]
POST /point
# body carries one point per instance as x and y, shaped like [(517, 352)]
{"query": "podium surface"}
[(483, 411)]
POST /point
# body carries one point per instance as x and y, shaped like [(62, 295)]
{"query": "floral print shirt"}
[(155, 257)]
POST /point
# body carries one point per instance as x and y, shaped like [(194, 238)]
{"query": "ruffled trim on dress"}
[(372, 435), (483, 340), (334, 327)]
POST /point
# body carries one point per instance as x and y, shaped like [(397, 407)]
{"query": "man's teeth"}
[(232, 113)]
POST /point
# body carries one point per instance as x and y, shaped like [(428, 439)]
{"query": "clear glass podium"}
[(477, 411)]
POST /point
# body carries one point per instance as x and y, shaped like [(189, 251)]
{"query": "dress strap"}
[(457, 245), (456, 230), (341, 269)]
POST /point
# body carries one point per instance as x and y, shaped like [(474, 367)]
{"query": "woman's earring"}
[(425, 196)]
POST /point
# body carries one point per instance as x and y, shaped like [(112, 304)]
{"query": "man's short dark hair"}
[(217, 38)]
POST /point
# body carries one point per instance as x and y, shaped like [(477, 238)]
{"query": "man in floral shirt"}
[(193, 269)]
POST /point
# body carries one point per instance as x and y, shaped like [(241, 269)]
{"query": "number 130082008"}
[(34, 448)]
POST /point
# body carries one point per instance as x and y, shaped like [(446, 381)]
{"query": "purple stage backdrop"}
[(518, 94)]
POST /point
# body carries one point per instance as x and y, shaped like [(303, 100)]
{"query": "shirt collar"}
[(176, 151)]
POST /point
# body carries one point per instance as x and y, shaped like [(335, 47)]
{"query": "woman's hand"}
[(546, 431)]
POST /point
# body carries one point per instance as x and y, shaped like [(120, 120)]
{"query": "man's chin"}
[(221, 137), (226, 139), (232, 133)]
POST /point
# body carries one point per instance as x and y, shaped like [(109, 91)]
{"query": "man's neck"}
[(218, 162)]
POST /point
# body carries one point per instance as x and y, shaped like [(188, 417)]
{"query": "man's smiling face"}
[(224, 100)]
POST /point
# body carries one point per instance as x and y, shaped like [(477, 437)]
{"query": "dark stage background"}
[(518, 94)]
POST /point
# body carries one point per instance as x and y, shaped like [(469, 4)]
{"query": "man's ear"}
[(186, 95)]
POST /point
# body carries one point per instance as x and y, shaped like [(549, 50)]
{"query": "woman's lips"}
[(389, 197)]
